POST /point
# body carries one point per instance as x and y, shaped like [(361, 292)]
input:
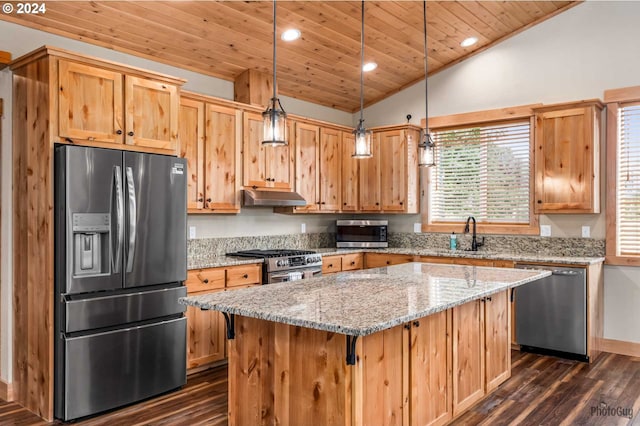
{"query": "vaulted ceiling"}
[(224, 38)]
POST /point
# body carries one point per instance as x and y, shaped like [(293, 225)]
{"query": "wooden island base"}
[(425, 372)]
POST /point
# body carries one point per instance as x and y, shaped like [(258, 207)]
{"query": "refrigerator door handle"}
[(131, 190), (116, 261)]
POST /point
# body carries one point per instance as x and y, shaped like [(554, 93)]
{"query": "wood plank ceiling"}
[(223, 38)]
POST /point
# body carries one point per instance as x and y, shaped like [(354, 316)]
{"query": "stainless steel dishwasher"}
[(551, 313)]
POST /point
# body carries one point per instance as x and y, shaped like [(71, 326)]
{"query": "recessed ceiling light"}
[(469, 41), (290, 35), (369, 66)]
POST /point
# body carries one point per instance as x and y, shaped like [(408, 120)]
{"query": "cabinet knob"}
[(377, 204), (401, 203), (407, 326), (353, 262), (388, 262), (344, 204), (416, 323), (208, 200), (489, 298), (206, 281), (539, 201), (118, 132), (130, 133), (245, 276), (331, 265), (323, 202), (200, 199)]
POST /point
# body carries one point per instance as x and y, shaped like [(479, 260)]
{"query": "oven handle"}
[(311, 273)]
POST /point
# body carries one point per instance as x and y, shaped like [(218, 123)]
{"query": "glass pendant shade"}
[(274, 124), (426, 150), (362, 145)]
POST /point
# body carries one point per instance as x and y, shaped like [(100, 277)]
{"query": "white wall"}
[(20, 40), (575, 55)]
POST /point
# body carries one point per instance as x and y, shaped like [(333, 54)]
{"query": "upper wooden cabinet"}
[(264, 166), (567, 158), (330, 163), (389, 180), (350, 174), (98, 104)]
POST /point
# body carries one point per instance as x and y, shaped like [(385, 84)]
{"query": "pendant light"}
[(426, 147), (274, 118), (362, 147)]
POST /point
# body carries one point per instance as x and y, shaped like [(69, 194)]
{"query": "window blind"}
[(484, 172), (628, 185)]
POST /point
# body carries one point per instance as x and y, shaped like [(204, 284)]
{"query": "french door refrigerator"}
[(120, 266)]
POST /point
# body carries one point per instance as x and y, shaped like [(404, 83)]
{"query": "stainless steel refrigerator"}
[(120, 266)]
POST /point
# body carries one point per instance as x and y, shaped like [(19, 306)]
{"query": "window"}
[(483, 170), (623, 176)]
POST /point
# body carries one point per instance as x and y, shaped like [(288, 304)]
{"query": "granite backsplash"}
[(551, 246)]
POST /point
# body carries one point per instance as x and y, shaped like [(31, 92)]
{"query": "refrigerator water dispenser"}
[(90, 243)]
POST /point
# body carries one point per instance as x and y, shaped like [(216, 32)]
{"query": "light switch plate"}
[(417, 228), (586, 231), (192, 232), (303, 228), (545, 230)]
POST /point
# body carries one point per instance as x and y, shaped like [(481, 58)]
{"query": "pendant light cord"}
[(362, 66), (274, 51), (426, 99)]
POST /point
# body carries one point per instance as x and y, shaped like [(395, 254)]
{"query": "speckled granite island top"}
[(359, 303)]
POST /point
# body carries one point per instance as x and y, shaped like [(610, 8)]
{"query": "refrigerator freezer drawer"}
[(117, 309), (115, 368)]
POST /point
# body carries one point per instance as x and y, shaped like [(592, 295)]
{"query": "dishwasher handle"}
[(564, 272)]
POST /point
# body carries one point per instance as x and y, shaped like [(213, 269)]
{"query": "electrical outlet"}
[(586, 231), (417, 228), (545, 230), (303, 228), (192, 232)]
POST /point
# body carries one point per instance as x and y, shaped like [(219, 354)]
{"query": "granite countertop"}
[(363, 302), (222, 261)]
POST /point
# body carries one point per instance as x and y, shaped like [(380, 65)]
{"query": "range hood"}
[(257, 198)]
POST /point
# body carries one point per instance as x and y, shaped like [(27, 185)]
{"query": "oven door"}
[(293, 275)]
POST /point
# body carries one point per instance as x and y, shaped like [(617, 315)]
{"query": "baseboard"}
[(6, 391), (620, 347)]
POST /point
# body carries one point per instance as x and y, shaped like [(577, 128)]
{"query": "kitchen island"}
[(407, 344)]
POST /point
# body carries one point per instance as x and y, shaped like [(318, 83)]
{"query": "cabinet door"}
[(376, 260), (191, 135), (369, 185), (222, 159), (468, 355), (566, 160), (151, 114), (352, 262), (330, 170), (279, 166), (90, 103), (254, 159), (393, 170), (497, 339), (307, 173), (331, 264), (430, 366), (205, 336), (350, 174)]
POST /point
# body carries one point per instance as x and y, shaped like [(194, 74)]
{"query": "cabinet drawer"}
[(331, 264), (351, 262), (243, 275), (205, 279)]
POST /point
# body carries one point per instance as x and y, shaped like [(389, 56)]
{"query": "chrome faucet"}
[(474, 242)]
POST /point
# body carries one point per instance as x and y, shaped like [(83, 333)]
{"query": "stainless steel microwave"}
[(361, 233)]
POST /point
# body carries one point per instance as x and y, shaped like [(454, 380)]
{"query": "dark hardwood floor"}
[(542, 391)]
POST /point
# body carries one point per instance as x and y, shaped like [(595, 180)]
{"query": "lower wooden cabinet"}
[(206, 339), (481, 348), (377, 260), (342, 262)]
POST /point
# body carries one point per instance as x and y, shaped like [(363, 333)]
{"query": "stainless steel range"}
[(285, 265)]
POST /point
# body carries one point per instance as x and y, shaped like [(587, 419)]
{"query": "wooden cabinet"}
[(210, 141), (369, 179), (342, 262), (481, 348), (99, 104), (264, 166), (206, 329), (468, 355), (497, 338), (307, 175), (413, 361), (399, 170), (376, 260), (330, 163), (567, 158), (350, 174)]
